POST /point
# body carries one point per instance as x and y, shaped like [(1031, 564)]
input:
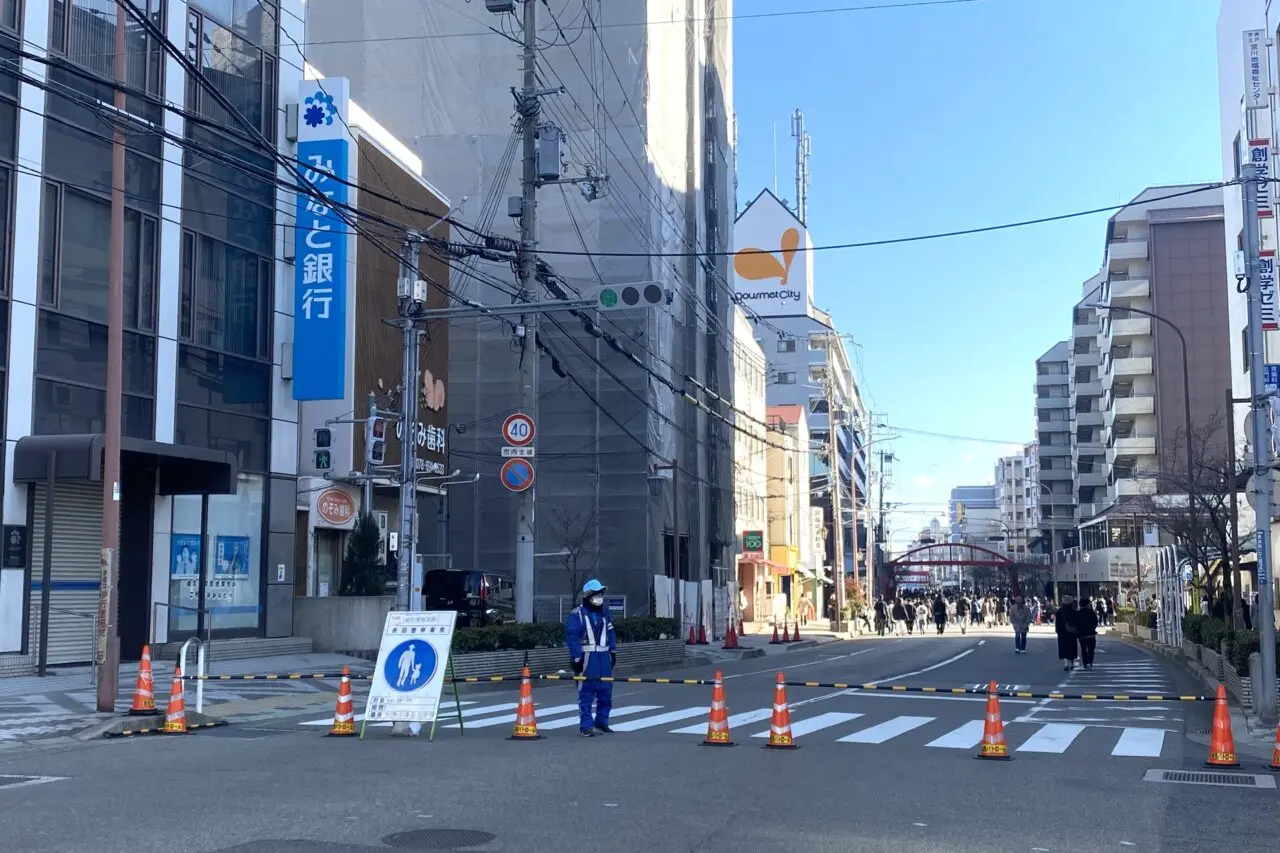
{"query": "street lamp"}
[(656, 482), (1193, 526)]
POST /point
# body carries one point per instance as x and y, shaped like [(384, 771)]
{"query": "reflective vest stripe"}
[(591, 645)]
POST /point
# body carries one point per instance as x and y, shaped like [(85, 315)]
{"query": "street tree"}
[(1194, 507), (363, 571), (573, 531)]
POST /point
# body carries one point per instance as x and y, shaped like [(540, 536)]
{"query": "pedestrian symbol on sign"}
[(410, 665)]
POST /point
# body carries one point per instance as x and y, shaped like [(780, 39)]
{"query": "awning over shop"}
[(180, 469)]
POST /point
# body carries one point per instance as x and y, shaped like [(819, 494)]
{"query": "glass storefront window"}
[(229, 559), (184, 564), (234, 564)]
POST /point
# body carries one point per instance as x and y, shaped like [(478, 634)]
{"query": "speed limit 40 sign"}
[(518, 430)]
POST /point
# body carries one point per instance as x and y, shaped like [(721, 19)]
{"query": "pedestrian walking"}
[(1064, 626), (1087, 633), (962, 614), (1020, 618), (593, 648), (940, 614)]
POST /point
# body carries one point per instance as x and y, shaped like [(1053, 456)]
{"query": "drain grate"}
[(1200, 777), (438, 839)]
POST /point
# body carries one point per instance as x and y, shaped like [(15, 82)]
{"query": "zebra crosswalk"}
[(871, 727)]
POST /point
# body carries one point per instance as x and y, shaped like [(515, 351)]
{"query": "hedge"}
[(1143, 619), (1207, 631), (548, 635)]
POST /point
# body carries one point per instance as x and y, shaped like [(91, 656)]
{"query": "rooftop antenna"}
[(803, 150), (775, 158)]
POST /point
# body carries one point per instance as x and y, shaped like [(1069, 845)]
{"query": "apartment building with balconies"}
[(1054, 428), (1088, 456), (1013, 492)]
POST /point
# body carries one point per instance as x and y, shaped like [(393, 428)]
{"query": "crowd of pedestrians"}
[(1075, 623)]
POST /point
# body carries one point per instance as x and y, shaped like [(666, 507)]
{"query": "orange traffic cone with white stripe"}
[(175, 717), (344, 717), (786, 631), (526, 723), (718, 723), (993, 744), (1274, 766), (1222, 746), (780, 726), (730, 637), (144, 693)]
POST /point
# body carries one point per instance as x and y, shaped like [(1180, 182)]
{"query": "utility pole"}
[(1262, 475), (528, 104), (107, 642), (411, 293)]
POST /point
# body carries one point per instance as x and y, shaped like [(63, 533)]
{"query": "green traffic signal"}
[(324, 460), (608, 297)]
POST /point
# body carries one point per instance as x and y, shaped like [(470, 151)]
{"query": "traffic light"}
[(375, 440), (642, 295), (323, 454)]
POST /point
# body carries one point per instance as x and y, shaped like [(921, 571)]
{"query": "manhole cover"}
[(438, 839), (1199, 777)]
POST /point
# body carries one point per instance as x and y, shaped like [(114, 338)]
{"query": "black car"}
[(480, 598)]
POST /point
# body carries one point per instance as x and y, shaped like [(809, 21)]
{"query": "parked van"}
[(480, 598)]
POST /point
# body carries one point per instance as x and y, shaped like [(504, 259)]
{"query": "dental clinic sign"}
[(320, 303)]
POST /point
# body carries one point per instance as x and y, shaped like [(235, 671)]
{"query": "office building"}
[(791, 533), (603, 419), (751, 478), (975, 518)]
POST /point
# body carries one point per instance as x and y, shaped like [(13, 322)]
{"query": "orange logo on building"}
[(432, 391), (761, 264), (335, 507)]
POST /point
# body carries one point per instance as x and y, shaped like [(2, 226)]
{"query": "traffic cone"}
[(780, 725), (993, 745), (742, 627), (526, 723), (175, 717), (702, 636), (144, 694), (718, 723), (775, 641), (344, 717), (795, 637), (730, 637), (786, 631), (1222, 746), (1274, 766)]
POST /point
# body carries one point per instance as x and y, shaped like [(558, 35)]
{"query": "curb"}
[(803, 644)]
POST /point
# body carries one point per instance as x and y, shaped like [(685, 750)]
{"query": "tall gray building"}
[(648, 106), (1053, 437)]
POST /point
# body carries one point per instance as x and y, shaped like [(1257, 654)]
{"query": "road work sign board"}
[(413, 663)]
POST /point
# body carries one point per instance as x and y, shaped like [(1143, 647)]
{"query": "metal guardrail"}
[(707, 682)]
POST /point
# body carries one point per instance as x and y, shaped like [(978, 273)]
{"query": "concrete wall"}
[(342, 623)]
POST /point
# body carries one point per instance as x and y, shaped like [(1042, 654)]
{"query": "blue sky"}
[(940, 118)]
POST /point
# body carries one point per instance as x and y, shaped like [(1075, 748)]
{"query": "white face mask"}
[(597, 600)]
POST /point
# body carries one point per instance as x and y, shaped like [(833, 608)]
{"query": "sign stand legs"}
[(457, 704)]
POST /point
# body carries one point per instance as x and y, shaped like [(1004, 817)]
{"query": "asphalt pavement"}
[(876, 770)]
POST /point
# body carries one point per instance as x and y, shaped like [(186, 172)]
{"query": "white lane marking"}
[(940, 665), (1140, 743), (936, 697), (624, 711), (26, 781), (816, 724), (511, 718), (660, 719), (744, 719), (982, 642), (1052, 738), (966, 737), (802, 665), (886, 730)]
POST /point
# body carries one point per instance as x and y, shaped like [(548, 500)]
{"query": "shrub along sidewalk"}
[(550, 635)]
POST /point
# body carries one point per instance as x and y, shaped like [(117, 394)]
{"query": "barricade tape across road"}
[(706, 682)]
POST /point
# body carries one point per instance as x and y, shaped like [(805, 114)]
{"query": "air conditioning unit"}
[(499, 7)]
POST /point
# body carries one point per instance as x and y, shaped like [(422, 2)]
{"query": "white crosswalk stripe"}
[(1027, 736)]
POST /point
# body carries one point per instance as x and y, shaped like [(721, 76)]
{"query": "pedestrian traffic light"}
[(641, 295), (324, 460), (323, 439), (375, 440)]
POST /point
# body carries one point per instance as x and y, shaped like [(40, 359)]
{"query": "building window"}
[(787, 377), (242, 72), (84, 31), (786, 345), (225, 302), (9, 14), (818, 405)]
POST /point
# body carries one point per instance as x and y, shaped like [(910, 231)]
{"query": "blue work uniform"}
[(590, 637)]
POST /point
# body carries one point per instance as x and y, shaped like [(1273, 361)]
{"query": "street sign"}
[(517, 453), (413, 660), (1271, 380), (517, 474), (518, 429)]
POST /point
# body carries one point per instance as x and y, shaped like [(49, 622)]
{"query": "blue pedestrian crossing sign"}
[(517, 474), (410, 665), (413, 659)]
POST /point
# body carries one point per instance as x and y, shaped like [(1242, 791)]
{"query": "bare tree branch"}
[(574, 529)]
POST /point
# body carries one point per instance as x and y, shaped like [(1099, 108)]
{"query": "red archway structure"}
[(955, 555)]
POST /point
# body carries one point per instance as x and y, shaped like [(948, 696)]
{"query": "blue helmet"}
[(591, 587)]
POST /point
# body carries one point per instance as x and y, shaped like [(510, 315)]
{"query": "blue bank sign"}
[(320, 299)]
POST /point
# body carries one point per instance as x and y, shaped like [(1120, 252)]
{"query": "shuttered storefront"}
[(77, 532)]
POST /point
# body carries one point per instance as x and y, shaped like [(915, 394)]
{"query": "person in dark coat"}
[(1087, 633), (1064, 624), (939, 613)]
